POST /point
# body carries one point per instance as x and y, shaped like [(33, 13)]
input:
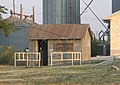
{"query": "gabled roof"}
[(59, 31)]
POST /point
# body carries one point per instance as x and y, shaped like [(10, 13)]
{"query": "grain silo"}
[(61, 11), (115, 5), (21, 23)]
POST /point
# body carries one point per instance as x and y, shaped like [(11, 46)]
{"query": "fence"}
[(27, 57), (75, 56)]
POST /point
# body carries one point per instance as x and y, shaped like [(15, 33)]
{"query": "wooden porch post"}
[(13, 6), (15, 59), (36, 51)]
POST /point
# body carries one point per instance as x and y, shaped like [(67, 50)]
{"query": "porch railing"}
[(27, 57), (75, 56)]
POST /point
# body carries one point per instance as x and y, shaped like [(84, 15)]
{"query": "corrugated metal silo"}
[(61, 11)]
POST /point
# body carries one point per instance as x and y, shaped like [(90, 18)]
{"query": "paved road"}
[(107, 60)]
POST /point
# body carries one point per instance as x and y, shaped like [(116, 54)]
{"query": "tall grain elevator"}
[(61, 11), (115, 5)]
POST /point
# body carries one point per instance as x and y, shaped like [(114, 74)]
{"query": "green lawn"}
[(61, 75)]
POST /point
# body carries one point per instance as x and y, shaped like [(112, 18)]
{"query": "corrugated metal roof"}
[(59, 31), (30, 22), (17, 22)]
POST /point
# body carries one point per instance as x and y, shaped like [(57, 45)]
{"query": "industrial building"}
[(61, 11), (115, 5)]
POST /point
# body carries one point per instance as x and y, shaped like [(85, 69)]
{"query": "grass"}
[(61, 75)]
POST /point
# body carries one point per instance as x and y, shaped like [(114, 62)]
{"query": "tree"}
[(5, 25), (95, 49), (94, 45)]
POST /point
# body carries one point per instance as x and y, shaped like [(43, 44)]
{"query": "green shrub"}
[(6, 55)]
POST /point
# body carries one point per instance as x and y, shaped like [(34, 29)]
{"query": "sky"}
[(102, 9), (27, 7)]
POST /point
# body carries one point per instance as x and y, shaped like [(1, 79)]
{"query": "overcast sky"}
[(102, 8)]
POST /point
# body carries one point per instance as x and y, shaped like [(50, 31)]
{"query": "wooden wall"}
[(77, 45), (83, 46), (86, 47), (115, 35)]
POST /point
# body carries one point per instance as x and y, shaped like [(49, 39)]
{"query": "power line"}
[(86, 7), (95, 14), (14, 6)]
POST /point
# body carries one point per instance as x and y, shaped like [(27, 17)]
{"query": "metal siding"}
[(61, 30), (18, 39), (78, 12), (17, 22), (61, 11), (68, 31), (45, 13), (53, 11), (75, 32)]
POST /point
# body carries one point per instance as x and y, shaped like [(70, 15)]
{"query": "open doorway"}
[(43, 49)]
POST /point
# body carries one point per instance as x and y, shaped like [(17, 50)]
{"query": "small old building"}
[(114, 22), (49, 38)]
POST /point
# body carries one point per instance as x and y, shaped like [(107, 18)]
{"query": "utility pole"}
[(33, 17), (21, 12), (13, 6)]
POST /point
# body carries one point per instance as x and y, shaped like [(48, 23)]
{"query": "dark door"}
[(43, 49)]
